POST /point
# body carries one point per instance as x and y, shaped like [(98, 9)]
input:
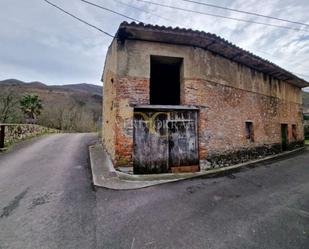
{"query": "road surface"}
[(46, 201)]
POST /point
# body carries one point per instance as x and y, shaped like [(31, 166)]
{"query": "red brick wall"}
[(225, 111), (130, 91), (243, 94)]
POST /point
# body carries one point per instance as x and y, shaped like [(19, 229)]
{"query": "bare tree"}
[(8, 103)]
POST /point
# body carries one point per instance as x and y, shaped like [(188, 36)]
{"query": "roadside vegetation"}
[(64, 109), (25, 109), (19, 109)]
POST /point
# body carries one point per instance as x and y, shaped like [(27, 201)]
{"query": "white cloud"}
[(40, 43)]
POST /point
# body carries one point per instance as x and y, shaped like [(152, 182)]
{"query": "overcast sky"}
[(39, 43)]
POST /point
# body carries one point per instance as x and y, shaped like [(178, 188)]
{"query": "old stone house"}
[(178, 100)]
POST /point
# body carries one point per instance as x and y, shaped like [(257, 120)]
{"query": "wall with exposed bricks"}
[(228, 95), (120, 95), (222, 123)]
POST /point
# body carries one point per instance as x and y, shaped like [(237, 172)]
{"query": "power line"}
[(109, 10), (220, 16), (142, 10), (77, 18), (162, 5), (246, 12)]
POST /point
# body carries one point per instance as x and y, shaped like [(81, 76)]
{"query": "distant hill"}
[(68, 107), (82, 87)]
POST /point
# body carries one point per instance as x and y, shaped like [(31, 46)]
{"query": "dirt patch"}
[(8, 210), (40, 200)]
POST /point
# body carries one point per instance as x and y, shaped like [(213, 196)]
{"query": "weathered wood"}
[(183, 148), (185, 169), (150, 143), (164, 139)]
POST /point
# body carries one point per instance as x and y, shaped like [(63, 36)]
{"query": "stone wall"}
[(228, 94), (16, 133)]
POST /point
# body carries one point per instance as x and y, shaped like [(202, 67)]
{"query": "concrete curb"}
[(104, 174)]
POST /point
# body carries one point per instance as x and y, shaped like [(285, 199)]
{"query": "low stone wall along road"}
[(46, 201)]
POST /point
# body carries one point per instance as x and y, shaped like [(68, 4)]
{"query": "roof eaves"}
[(237, 54)]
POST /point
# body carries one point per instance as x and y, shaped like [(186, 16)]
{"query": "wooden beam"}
[(185, 169)]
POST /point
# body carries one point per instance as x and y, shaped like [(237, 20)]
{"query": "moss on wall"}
[(16, 133)]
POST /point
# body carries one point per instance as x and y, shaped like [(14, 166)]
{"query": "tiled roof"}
[(208, 41)]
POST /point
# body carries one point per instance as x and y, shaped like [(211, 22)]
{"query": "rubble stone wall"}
[(16, 133)]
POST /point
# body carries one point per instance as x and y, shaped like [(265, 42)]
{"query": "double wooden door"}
[(165, 141)]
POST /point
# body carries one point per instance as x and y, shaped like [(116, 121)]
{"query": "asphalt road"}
[(46, 201)]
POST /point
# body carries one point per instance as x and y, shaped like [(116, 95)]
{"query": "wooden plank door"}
[(183, 145), (165, 141), (150, 143)]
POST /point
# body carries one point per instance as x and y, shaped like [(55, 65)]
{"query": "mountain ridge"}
[(78, 87)]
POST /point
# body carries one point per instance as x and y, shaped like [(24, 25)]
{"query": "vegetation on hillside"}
[(31, 105), (9, 111), (306, 99), (68, 108), (306, 105)]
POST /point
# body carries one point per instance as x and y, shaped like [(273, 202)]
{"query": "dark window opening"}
[(294, 132), (249, 131), (284, 136), (165, 80)]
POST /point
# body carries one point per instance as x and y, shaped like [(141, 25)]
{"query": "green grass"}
[(307, 142)]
